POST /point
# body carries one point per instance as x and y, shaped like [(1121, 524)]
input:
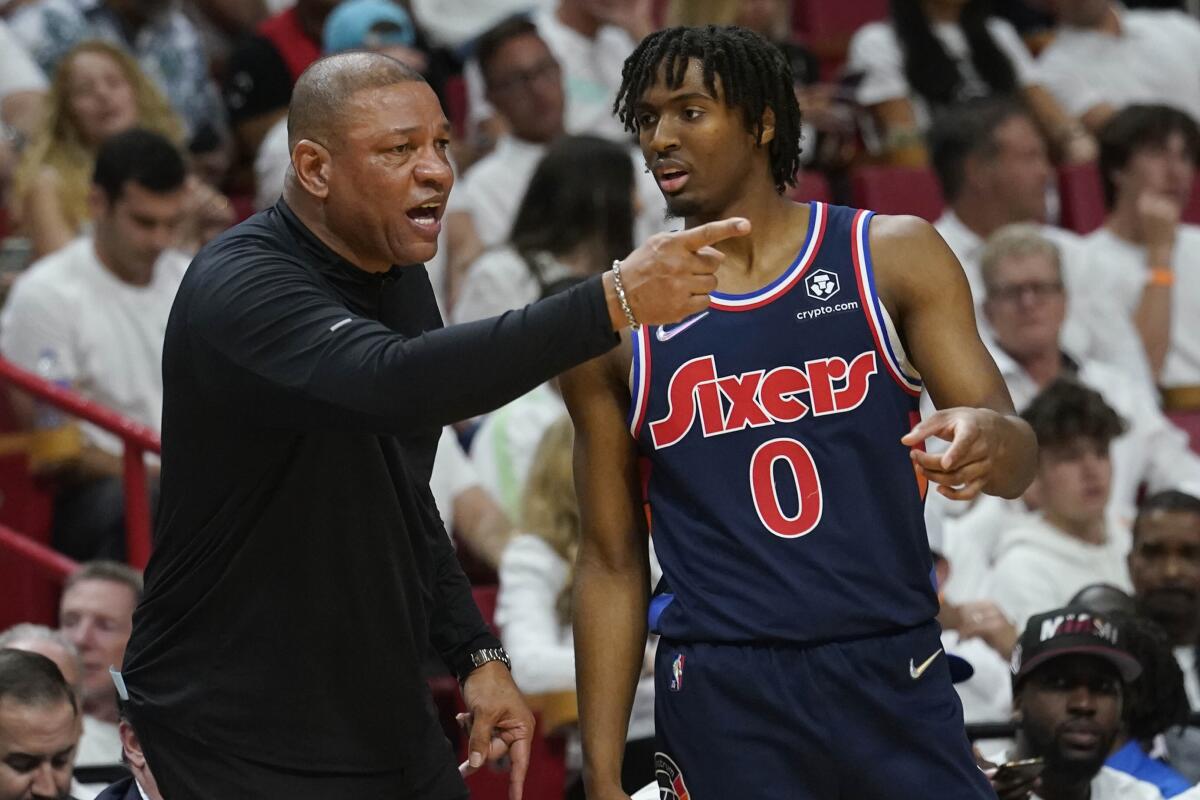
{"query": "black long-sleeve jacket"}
[(300, 568)]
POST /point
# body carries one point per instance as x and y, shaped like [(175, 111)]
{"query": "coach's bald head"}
[(370, 169)]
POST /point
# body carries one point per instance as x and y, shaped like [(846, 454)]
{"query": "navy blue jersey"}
[(782, 504)]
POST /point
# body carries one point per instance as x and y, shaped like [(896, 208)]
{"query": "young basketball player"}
[(775, 444)]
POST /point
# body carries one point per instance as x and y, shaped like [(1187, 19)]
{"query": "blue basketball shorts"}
[(869, 719)]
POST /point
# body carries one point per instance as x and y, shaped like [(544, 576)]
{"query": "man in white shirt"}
[(994, 170), (468, 510), (95, 313), (1070, 672), (1043, 561), (1144, 258), (1104, 57)]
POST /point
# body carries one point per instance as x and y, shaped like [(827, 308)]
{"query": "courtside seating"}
[(825, 27), (810, 186), (898, 190), (1082, 197)]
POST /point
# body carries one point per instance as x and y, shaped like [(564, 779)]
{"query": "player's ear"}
[(768, 127), (312, 165)]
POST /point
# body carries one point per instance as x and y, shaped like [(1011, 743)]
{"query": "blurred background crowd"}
[(1053, 144)]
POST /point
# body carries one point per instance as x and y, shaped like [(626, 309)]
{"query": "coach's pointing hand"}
[(670, 276)]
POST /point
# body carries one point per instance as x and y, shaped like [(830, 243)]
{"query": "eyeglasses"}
[(1039, 290), (543, 70)]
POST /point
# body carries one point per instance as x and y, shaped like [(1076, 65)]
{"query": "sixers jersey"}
[(782, 504)]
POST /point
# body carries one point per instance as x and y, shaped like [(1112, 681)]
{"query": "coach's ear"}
[(768, 127), (311, 165)]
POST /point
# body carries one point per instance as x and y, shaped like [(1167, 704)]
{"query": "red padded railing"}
[(138, 440)]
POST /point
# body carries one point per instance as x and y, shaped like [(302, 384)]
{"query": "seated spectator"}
[(39, 728), (96, 615), (164, 41), (564, 228), (590, 40), (98, 91), (456, 23), (100, 742), (533, 610), (264, 67), (1104, 58), (994, 171), (1068, 543), (22, 95), (1144, 257), (525, 84), (1164, 565), (1071, 680), (933, 55), (97, 310), (1025, 307), (140, 785), (468, 510)]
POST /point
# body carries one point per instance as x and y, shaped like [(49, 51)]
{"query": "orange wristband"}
[(1161, 276)]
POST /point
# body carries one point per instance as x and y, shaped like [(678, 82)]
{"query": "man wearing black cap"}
[(1070, 672)]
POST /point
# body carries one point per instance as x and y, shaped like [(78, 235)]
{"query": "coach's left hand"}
[(965, 468), (500, 723)]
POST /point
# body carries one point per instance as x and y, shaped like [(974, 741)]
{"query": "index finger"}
[(518, 751), (713, 232)]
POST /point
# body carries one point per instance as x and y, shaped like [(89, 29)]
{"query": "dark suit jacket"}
[(124, 789)]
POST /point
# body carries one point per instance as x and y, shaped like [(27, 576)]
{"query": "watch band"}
[(484, 655)]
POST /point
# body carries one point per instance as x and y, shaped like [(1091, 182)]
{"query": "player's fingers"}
[(957, 477), (933, 425), (966, 439), (713, 232), (967, 492), (463, 720), (519, 752), (927, 461)]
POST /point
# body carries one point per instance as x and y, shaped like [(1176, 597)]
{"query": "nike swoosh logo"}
[(915, 671), (665, 335)]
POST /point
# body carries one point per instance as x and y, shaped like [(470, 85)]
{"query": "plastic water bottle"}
[(50, 369)]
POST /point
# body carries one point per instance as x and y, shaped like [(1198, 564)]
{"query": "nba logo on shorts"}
[(676, 674), (821, 285), (670, 779)]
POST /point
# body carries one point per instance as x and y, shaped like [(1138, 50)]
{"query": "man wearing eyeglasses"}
[(1024, 303)]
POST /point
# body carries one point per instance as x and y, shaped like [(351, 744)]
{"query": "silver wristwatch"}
[(486, 654)]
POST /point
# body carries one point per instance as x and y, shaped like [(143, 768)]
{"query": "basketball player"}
[(776, 445)]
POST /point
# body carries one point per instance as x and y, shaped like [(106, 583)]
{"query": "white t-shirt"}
[(591, 73), (500, 280), (1117, 269), (18, 71), (1038, 567), (1109, 784), (876, 52), (271, 165), (453, 23), (1155, 59), (542, 648), (987, 695), (1091, 330), (452, 475), (1186, 657), (504, 446), (106, 334)]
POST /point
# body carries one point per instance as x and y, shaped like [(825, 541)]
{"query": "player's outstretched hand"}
[(500, 723), (670, 276), (967, 465)]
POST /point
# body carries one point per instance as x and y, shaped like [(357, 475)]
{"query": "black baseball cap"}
[(1073, 630)]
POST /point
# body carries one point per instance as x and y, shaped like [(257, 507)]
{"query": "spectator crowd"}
[(132, 132)]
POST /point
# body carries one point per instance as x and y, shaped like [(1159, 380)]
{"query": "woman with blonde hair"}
[(97, 90), (533, 608)]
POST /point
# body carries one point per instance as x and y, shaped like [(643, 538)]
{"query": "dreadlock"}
[(1157, 700), (754, 76)]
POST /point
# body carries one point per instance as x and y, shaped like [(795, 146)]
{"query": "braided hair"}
[(1157, 700), (754, 76)]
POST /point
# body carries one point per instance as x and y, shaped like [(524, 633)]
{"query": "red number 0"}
[(808, 487)]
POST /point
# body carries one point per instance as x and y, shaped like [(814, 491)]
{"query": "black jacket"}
[(300, 568)]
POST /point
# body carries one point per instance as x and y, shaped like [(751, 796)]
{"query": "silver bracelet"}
[(621, 298)]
